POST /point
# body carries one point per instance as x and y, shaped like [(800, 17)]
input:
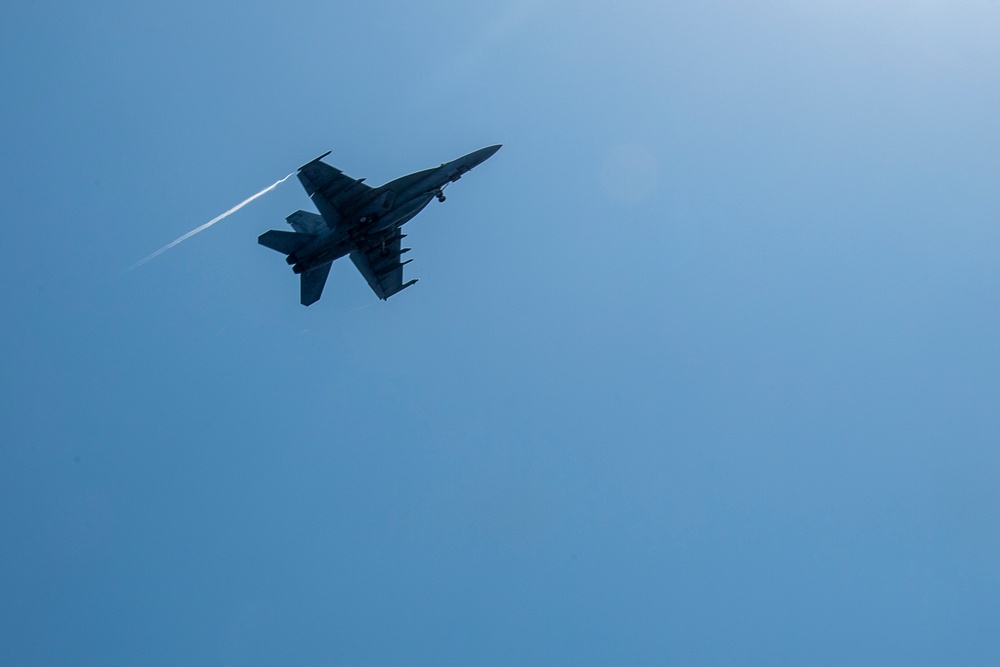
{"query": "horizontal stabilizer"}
[(284, 242)]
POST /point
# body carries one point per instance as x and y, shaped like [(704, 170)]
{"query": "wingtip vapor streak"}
[(361, 221)]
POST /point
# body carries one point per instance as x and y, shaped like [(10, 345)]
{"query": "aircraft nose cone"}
[(484, 154)]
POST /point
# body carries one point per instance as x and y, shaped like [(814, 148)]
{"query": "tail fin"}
[(306, 222), (311, 285), (284, 242)]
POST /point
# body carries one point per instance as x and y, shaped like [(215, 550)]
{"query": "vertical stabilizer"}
[(284, 242), (312, 283)]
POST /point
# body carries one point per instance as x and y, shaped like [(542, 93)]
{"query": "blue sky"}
[(702, 367)]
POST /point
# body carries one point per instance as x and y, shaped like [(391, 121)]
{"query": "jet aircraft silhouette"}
[(361, 221)]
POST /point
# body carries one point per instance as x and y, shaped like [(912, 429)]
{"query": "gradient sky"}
[(702, 368)]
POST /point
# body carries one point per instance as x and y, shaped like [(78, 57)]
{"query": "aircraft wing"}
[(333, 192), (382, 269)]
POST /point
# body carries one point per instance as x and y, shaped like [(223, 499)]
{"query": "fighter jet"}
[(361, 221)]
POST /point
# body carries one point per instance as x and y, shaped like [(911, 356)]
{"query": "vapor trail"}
[(210, 222)]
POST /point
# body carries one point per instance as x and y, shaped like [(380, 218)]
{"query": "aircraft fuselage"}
[(358, 220), (385, 208)]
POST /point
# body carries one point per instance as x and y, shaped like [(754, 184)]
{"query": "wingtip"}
[(315, 160)]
